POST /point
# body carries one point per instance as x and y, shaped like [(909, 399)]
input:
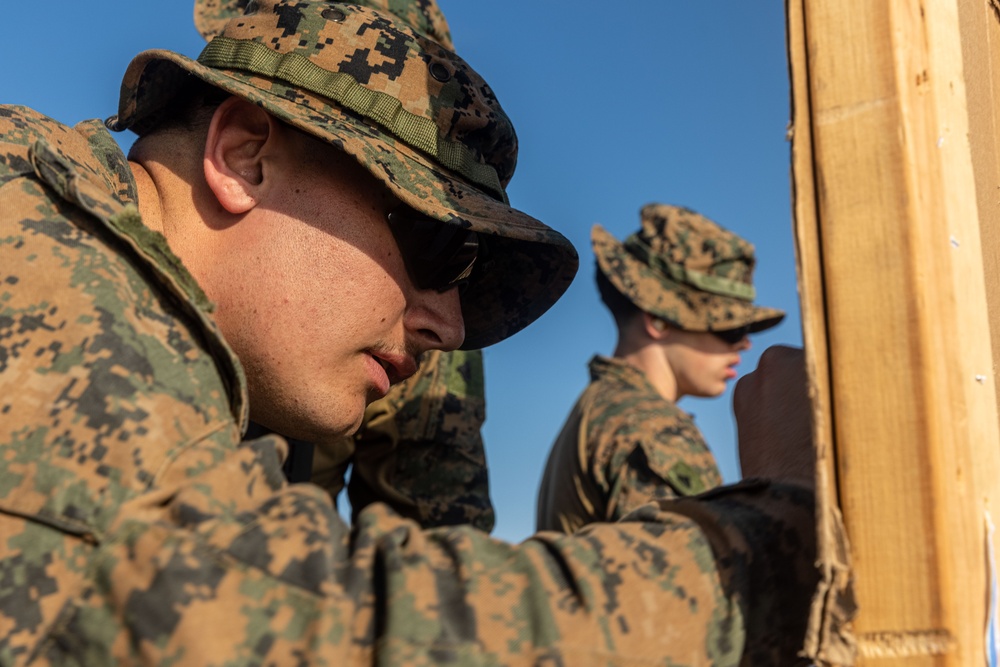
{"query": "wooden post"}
[(896, 311)]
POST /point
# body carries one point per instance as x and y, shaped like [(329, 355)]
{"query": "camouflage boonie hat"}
[(682, 267), (211, 16), (414, 114)]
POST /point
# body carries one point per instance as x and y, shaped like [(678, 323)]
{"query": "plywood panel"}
[(829, 639), (895, 316), (980, 28)]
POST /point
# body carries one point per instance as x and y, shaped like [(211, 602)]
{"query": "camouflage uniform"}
[(624, 444), (136, 527), (420, 449)]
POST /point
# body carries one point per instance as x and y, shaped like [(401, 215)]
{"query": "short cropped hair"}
[(621, 307), (190, 110)]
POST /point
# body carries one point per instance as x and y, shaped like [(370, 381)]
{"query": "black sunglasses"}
[(437, 255), (732, 336)]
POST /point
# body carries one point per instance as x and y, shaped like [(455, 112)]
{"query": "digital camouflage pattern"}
[(622, 446), (417, 116), (109, 364), (685, 269), (420, 448), (135, 527), (211, 16)]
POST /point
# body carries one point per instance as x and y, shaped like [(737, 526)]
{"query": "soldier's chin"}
[(330, 427)]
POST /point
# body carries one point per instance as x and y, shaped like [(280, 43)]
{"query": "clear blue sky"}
[(616, 105)]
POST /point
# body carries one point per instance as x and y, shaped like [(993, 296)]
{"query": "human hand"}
[(774, 419)]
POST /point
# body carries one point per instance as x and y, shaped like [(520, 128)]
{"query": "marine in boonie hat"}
[(413, 113), (685, 269)]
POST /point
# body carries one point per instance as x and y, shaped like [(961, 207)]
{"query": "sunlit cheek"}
[(383, 289)]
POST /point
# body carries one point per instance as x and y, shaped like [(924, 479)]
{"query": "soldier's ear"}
[(656, 328), (240, 138)]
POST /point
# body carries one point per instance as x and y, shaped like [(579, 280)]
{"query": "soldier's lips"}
[(378, 375), (387, 369)]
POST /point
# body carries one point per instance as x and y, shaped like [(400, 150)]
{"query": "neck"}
[(648, 357), (165, 167), (167, 198), (150, 207)]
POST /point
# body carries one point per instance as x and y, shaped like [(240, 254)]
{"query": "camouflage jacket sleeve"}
[(622, 446), (643, 447), (420, 449), (226, 564), (655, 453)]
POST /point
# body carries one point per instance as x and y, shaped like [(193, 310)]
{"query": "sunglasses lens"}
[(437, 255), (732, 336)]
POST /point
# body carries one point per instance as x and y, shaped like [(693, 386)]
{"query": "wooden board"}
[(896, 316), (980, 28)]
